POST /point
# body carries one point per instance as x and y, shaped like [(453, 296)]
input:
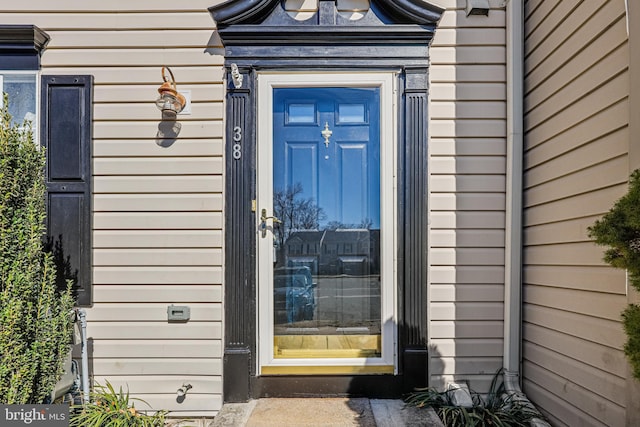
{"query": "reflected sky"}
[(338, 171)]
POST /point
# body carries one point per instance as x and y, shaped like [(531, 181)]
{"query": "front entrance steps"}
[(324, 412)]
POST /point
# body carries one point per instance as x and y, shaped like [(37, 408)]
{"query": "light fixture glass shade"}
[(170, 99), (169, 102)]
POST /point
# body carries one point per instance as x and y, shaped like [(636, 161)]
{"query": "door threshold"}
[(328, 370)]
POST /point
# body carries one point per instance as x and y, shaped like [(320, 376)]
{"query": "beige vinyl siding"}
[(467, 137), (576, 166), (157, 209)]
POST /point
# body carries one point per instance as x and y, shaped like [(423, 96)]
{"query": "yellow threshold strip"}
[(301, 353), (327, 370)]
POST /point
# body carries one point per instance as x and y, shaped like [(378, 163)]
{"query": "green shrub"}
[(619, 230), (631, 324), (109, 408), (35, 328)]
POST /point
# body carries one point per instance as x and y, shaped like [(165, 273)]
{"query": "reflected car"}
[(293, 294)]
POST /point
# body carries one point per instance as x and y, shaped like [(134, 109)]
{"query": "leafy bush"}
[(631, 324), (109, 408), (35, 327), (619, 230), (498, 408)]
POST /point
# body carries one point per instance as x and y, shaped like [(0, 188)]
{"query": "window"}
[(21, 89)]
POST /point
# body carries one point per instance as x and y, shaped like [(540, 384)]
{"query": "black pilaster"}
[(413, 315), (240, 293)]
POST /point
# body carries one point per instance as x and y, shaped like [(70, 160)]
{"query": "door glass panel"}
[(326, 193), (351, 113), (301, 113)]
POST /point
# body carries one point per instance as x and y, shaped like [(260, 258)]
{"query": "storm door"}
[(320, 231)]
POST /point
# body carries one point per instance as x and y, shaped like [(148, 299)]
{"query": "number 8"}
[(236, 151)]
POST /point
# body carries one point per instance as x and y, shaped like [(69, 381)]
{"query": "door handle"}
[(263, 222), (264, 218)]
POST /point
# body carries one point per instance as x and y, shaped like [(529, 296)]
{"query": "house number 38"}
[(237, 139)]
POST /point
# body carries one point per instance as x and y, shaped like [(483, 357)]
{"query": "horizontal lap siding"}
[(576, 166), (157, 204), (467, 195)]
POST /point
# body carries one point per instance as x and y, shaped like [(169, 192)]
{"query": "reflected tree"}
[(295, 211)]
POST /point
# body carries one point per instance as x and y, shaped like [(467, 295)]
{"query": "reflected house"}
[(351, 252)]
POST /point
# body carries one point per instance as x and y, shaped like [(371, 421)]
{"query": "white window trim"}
[(388, 203)]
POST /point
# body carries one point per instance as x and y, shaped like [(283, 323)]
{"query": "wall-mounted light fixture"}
[(478, 7), (170, 100), (182, 391)]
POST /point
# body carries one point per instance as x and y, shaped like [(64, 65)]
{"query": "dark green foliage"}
[(631, 323), (498, 408), (109, 408), (619, 231), (35, 327)]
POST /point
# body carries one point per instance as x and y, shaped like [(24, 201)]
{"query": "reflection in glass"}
[(302, 113), (326, 285), (21, 89), (351, 113), (326, 273)]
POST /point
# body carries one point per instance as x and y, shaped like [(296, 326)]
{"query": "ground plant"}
[(496, 408), (111, 408), (619, 231), (35, 324)]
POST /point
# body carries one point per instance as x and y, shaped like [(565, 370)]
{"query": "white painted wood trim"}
[(385, 81)]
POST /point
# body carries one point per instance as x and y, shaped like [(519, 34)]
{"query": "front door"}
[(323, 298)]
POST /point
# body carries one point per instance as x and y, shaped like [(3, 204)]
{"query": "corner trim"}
[(27, 38), (21, 46)]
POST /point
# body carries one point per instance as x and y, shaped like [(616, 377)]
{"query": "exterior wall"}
[(467, 197), (633, 15), (576, 166), (157, 209)]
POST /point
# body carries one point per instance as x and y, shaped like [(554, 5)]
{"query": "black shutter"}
[(66, 133)]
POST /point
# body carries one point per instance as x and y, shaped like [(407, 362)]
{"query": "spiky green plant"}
[(619, 231), (111, 408), (497, 408), (35, 326)]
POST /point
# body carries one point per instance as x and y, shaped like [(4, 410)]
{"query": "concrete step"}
[(324, 412)]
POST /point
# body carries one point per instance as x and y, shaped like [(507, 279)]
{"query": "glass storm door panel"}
[(326, 298)]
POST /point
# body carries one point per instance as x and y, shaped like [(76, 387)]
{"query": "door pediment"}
[(254, 12), (266, 22)]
